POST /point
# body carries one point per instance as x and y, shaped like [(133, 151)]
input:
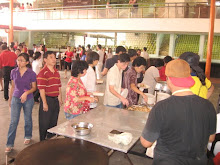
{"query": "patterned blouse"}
[(130, 77), (74, 90)]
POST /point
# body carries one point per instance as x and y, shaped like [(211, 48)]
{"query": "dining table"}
[(62, 151)]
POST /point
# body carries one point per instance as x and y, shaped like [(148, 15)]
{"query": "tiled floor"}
[(116, 159)]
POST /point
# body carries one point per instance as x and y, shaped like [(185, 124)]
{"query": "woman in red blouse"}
[(77, 98)]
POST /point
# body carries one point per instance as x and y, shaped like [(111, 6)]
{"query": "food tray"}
[(142, 108)]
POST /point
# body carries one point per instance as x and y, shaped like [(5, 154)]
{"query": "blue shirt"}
[(22, 84)]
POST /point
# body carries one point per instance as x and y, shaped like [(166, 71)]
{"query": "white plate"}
[(144, 86), (98, 94), (124, 93)]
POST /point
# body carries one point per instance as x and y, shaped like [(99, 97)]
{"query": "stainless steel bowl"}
[(82, 128)]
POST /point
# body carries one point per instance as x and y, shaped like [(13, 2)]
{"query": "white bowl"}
[(151, 99)]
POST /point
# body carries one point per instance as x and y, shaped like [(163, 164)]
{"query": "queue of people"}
[(170, 122)]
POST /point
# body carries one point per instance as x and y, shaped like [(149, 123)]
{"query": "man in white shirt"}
[(146, 56), (98, 67), (152, 76), (113, 88)]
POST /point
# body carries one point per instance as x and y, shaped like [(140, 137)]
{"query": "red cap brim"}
[(182, 82)]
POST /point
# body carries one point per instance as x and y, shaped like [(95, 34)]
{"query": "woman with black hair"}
[(203, 86), (36, 67), (77, 99), (23, 84), (130, 80), (89, 80)]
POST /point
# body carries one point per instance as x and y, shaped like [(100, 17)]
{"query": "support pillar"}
[(172, 45), (201, 46), (11, 23)]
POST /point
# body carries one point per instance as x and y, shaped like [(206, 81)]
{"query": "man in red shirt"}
[(68, 60), (7, 62), (49, 85), (162, 70)]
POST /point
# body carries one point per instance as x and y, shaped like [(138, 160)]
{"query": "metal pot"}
[(82, 128)]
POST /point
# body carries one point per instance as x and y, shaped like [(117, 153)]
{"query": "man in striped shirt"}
[(49, 85)]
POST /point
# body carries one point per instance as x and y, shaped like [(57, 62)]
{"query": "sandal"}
[(8, 149), (27, 141)]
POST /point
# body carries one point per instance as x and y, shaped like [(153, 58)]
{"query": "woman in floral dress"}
[(77, 98)]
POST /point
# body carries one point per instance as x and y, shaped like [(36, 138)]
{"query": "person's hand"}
[(124, 101), (145, 98), (23, 97), (60, 101), (45, 107), (96, 99), (93, 99), (9, 102)]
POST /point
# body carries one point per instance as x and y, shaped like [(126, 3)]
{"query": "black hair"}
[(89, 46), (99, 46), (132, 53), (30, 52), (193, 60), (26, 57), (83, 50), (120, 49), (4, 47), (145, 49), (20, 45), (139, 61), (78, 67), (92, 56), (167, 59), (158, 62), (37, 55), (48, 53), (124, 57)]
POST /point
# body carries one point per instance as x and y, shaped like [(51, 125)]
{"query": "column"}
[(172, 45), (201, 46)]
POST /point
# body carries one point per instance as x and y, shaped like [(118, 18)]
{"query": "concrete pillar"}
[(172, 45), (30, 40), (201, 46)]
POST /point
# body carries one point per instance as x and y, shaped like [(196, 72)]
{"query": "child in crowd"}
[(49, 85), (113, 88), (23, 84), (77, 99)]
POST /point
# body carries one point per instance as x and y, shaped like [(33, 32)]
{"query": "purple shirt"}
[(23, 83)]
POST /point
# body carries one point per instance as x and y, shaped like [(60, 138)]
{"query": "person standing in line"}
[(113, 97), (109, 53), (77, 98), (166, 59), (23, 81), (89, 80), (67, 61), (36, 67), (111, 61), (49, 85), (7, 63), (182, 124), (146, 56), (98, 67)]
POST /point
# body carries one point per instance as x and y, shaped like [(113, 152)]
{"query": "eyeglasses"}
[(21, 61)]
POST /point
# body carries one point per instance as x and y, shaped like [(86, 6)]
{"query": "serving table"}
[(104, 120)]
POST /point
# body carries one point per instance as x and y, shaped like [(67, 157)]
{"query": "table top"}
[(63, 151), (104, 120)]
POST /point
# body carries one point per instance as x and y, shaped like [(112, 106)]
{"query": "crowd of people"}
[(33, 75)]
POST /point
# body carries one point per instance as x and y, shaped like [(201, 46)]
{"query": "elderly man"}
[(182, 124)]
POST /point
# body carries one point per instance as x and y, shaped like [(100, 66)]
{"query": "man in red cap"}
[(183, 124)]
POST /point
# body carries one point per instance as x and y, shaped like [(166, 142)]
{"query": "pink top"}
[(75, 89)]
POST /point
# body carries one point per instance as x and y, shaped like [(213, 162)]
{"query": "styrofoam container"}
[(151, 99), (162, 96)]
